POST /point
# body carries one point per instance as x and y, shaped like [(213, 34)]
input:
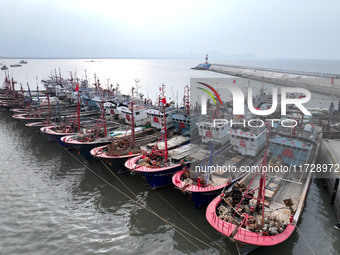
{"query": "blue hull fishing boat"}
[(156, 166)]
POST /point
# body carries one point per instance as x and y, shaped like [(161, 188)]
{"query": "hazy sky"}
[(156, 28)]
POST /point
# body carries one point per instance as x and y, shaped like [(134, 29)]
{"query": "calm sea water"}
[(52, 204)]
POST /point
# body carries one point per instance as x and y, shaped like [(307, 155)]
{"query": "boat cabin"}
[(139, 114), (248, 140), (218, 133), (155, 118)]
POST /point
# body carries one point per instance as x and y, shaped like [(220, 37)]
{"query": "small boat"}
[(23, 62), (15, 65), (4, 67)]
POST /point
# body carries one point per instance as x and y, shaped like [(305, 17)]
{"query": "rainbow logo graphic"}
[(209, 93)]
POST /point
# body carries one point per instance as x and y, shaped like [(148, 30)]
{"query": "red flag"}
[(163, 100), (77, 87), (234, 81)]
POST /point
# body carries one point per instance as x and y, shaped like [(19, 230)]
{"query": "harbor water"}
[(53, 202)]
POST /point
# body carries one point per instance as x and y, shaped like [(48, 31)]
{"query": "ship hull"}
[(204, 198), (115, 163), (161, 178), (201, 196), (84, 148), (155, 177)]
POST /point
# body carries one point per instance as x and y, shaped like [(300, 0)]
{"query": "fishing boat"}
[(158, 166), (36, 114), (55, 132), (4, 67), (88, 140), (23, 62), (264, 208), (201, 185), (15, 65), (123, 148)]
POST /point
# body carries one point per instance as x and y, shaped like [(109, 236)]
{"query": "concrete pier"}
[(329, 153), (323, 83)]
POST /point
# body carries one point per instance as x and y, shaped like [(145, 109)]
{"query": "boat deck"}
[(279, 187)]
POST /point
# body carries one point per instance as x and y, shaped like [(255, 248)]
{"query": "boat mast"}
[(162, 100), (103, 118), (262, 187), (164, 123), (13, 89), (22, 90), (132, 126), (78, 112)]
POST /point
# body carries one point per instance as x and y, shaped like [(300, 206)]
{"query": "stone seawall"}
[(313, 81)]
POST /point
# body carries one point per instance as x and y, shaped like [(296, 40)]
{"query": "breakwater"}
[(323, 83)]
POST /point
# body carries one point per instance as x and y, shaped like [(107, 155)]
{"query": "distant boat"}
[(23, 62), (4, 67), (15, 65)]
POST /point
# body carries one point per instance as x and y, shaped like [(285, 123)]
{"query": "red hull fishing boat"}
[(55, 132), (264, 207), (119, 151)]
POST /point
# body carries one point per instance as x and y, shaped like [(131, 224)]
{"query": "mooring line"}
[(10, 155), (310, 248), (165, 202), (173, 226)]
